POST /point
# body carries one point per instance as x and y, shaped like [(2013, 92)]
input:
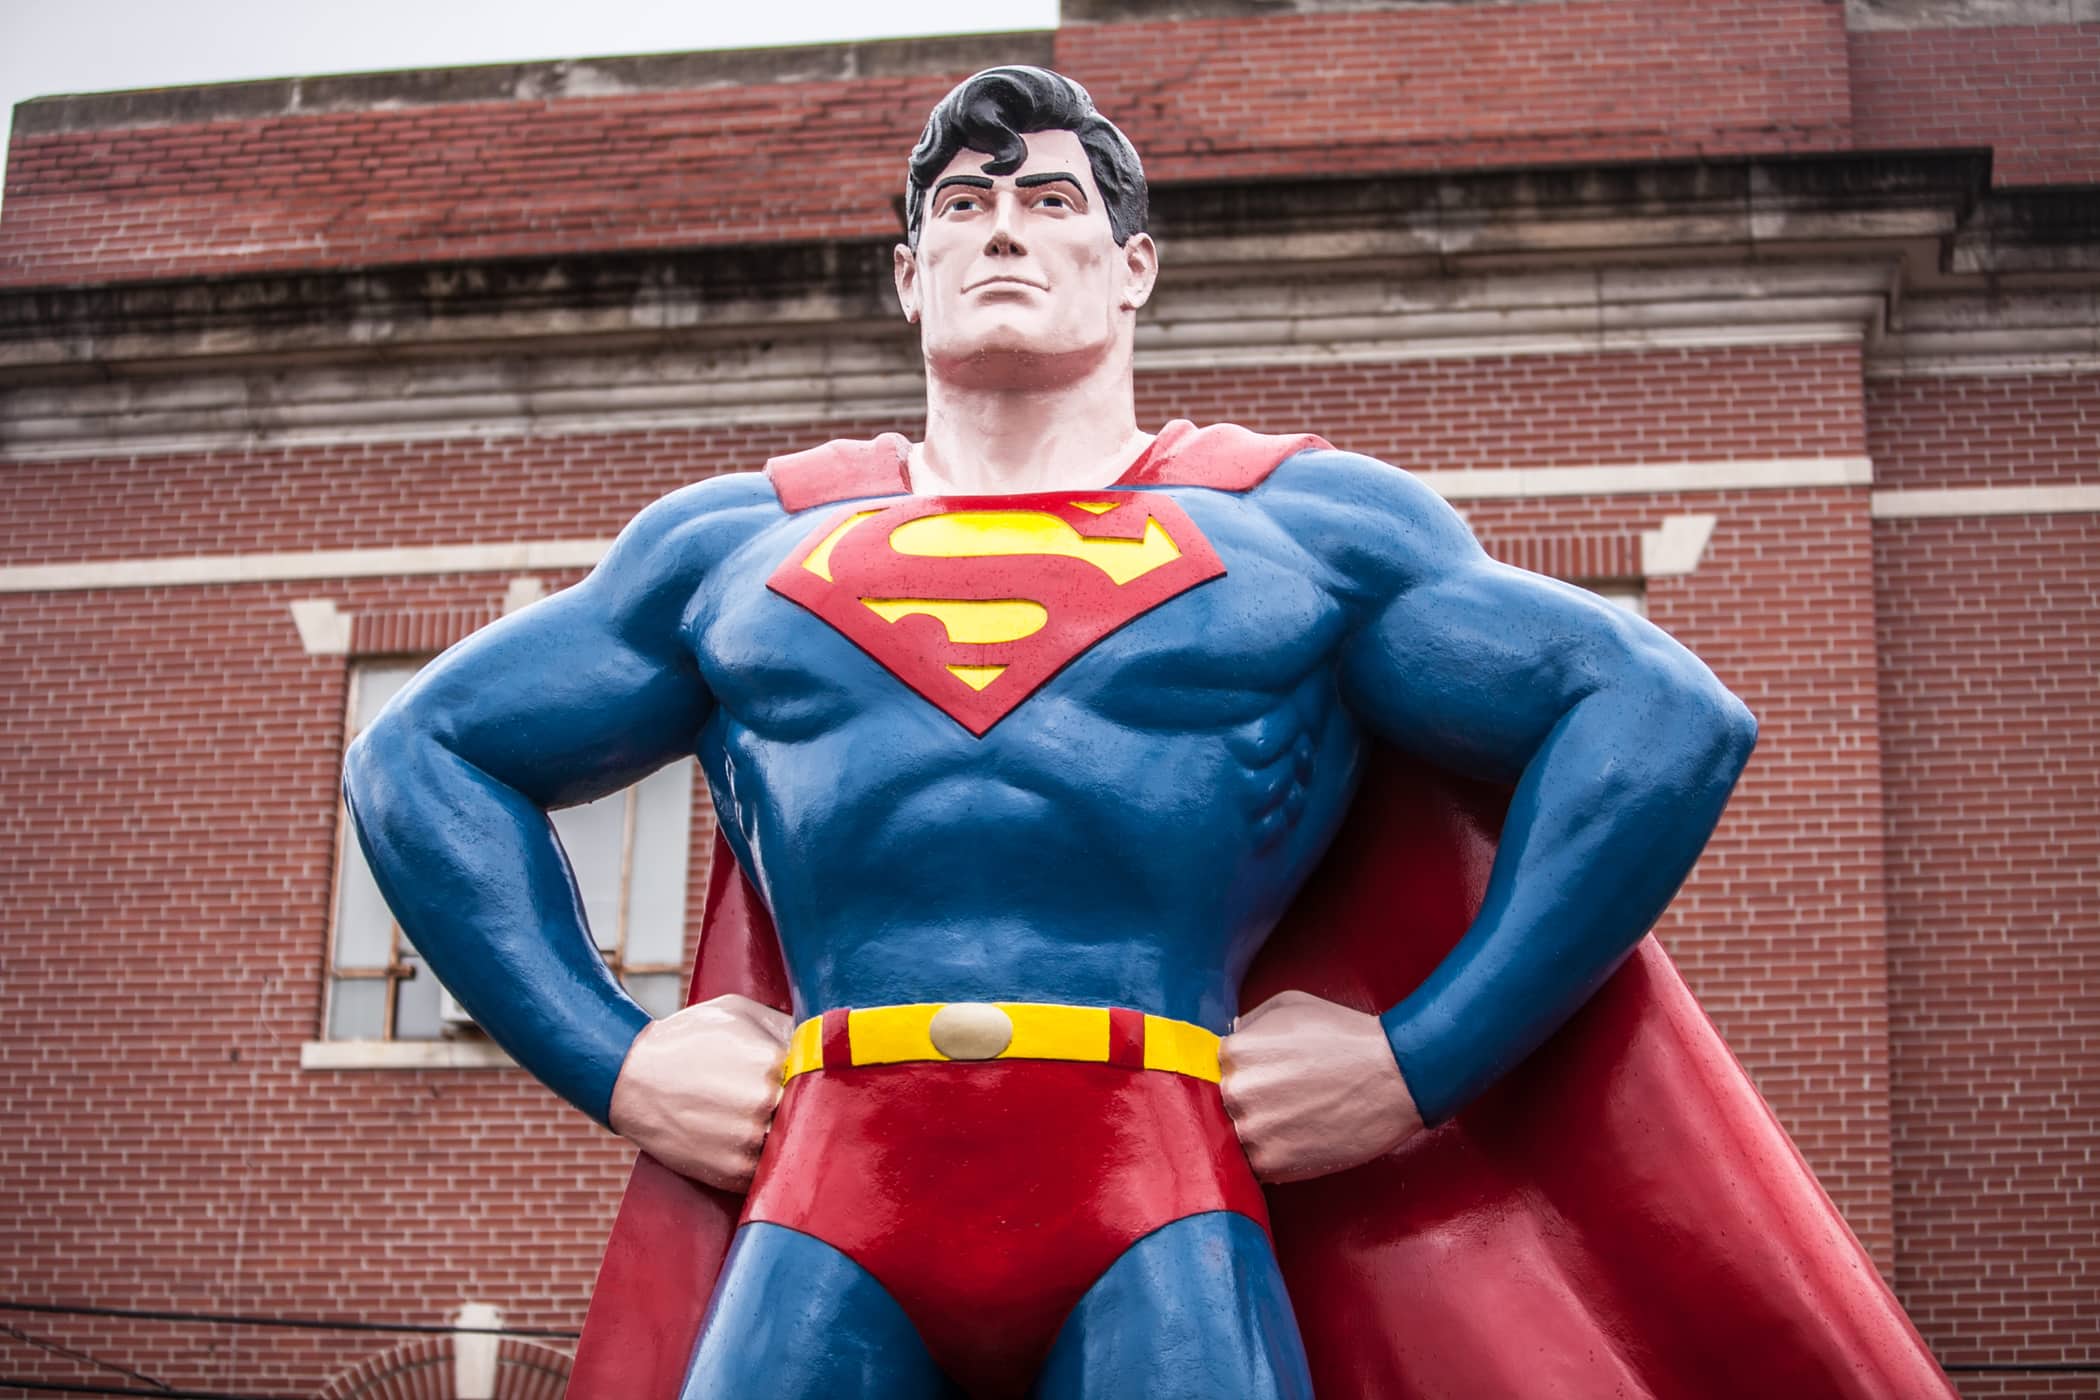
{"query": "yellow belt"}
[(1005, 1030)]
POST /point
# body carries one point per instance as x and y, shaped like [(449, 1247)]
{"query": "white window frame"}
[(460, 1044)]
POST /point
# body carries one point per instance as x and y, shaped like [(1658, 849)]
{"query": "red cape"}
[(1620, 1216)]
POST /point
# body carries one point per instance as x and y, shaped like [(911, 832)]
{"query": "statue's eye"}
[(1055, 201), (961, 204)]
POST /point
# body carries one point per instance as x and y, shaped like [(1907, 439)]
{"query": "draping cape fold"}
[(1621, 1215)]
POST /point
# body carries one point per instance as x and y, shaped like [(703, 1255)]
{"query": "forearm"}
[(472, 871), (1606, 822)]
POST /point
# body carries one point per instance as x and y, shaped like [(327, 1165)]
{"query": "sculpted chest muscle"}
[(941, 710), (974, 605)]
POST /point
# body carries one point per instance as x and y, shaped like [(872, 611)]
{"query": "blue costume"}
[(1118, 821)]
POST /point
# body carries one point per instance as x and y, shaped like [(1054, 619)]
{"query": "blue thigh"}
[(793, 1317), (1195, 1309)]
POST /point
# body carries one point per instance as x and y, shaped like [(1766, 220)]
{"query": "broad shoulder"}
[(664, 555), (714, 509), (1377, 528), (695, 526)]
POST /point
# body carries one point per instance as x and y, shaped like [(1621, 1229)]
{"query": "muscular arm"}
[(1621, 744), (570, 699)]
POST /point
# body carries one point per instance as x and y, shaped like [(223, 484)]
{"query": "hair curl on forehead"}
[(991, 111)]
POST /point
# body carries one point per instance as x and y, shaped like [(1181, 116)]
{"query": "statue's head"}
[(1025, 250)]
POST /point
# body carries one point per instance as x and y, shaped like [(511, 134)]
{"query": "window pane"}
[(601, 845), (375, 686), (416, 1005), (357, 1009), (591, 836), (658, 992), (662, 835), (364, 928)]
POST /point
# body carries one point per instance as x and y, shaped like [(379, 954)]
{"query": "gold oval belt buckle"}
[(970, 1030)]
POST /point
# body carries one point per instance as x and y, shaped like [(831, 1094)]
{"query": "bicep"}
[(1464, 661), (557, 703), (1474, 664), (583, 692)]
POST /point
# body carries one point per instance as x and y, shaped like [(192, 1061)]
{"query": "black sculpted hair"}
[(992, 110)]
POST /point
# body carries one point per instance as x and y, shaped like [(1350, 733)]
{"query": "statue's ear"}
[(904, 268), (1140, 270)]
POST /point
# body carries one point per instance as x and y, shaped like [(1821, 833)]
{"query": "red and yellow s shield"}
[(975, 602)]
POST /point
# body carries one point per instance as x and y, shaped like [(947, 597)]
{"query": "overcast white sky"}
[(59, 46)]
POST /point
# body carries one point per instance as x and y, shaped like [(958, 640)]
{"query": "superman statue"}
[(1178, 920)]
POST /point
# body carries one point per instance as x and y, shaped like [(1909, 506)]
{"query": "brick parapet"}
[(1476, 85), (2030, 91), (682, 167), (532, 82)]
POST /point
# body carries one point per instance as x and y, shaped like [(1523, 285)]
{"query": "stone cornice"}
[(1934, 207), (1903, 15), (2033, 231), (1579, 259), (2050, 330), (1553, 213), (386, 311)]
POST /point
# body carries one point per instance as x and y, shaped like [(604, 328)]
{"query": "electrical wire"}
[(311, 1324), (163, 1391), (2074, 1368), (57, 1349), (72, 1388), (2015, 1368)]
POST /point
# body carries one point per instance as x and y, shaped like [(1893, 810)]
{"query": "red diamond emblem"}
[(974, 602)]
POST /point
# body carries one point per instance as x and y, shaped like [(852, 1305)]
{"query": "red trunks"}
[(988, 1197)]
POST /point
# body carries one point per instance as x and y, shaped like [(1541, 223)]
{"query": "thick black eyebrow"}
[(975, 182), (1050, 177)]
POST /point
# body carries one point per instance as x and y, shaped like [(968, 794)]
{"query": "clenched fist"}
[(1312, 1088), (698, 1088)]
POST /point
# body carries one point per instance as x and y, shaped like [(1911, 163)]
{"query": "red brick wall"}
[(1965, 430), (1425, 89), (1989, 659), (1652, 406), (2030, 92), (167, 820), (1781, 929), (427, 492), (1988, 655)]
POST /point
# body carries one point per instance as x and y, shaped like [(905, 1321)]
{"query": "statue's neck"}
[(984, 440)]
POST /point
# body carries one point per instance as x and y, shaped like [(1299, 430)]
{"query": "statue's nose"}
[(1005, 231)]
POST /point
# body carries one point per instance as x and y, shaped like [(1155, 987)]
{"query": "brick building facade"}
[(1777, 318)]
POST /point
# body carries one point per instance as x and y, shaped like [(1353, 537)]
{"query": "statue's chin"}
[(1007, 358)]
